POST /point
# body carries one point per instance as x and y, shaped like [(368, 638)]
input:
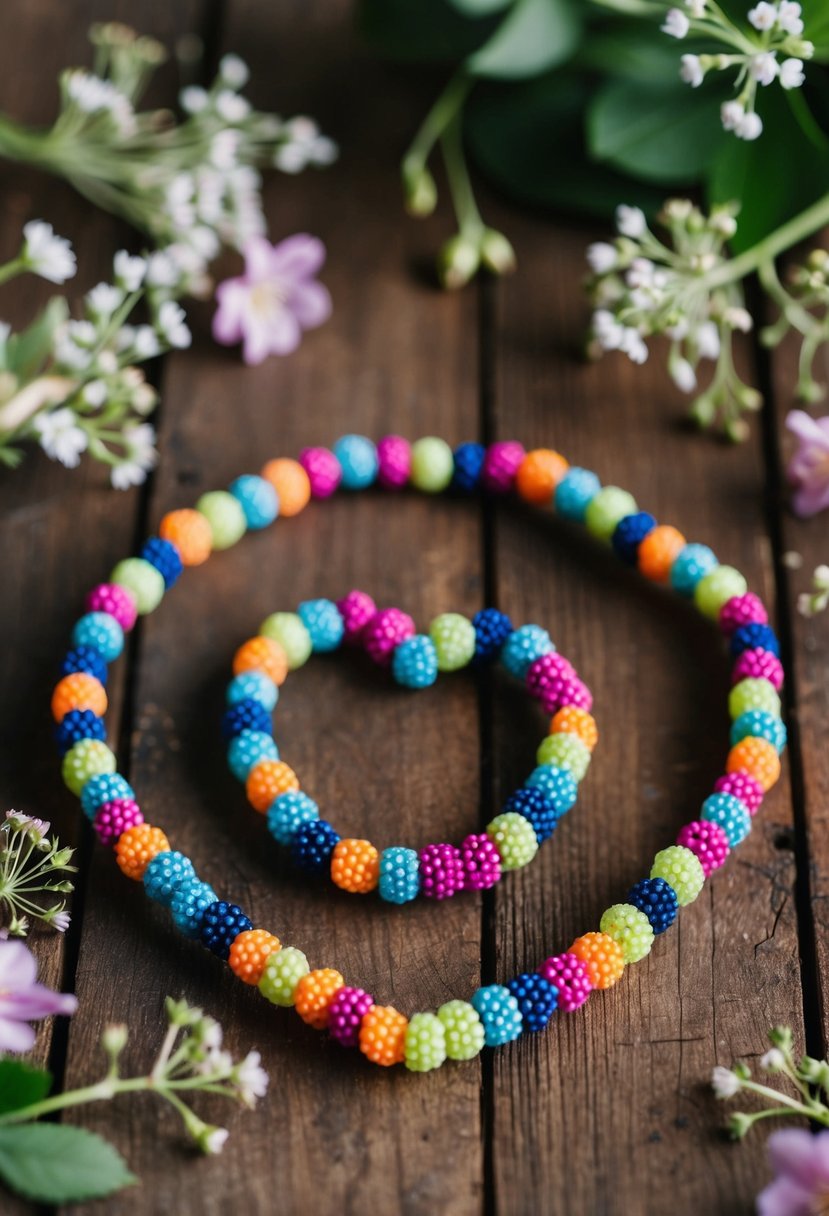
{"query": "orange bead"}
[(571, 720), (756, 757), (602, 956), (190, 532), (355, 866), (658, 551), (267, 780), (262, 654), (78, 691), (383, 1035), (291, 483), (539, 473), (249, 953), (137, 847), (314, 993)]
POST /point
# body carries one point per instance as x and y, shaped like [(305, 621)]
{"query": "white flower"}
[(696, 8), (92, 95), (213, 1139), (820, 577), (630, 221), (633, 345), (179, 196), (193, 99), (763, 68), (691, 70), (724, 1082), (231, 107), (108, 362), (82, 333), (707, 339), (170, 322), (129, 271), (94, 393), (204, 241), (607, 329), (251, 1078), (144, 399), (5, 333), (773, 1061), (161, 269), (68, 354), (234, 71), (738, 318), (60, 436), (749, 127), (791, 73), (142, 456), (731, 114), (210, 1034), (640, 273), (46, 254), (788, 17), (60, 921), (682, 374), (104, 299), (676, 23), (145, 342), (601, 257), (304, 146), (764, 15), (224, 148)]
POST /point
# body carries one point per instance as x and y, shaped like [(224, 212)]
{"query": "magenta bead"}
[(441, 871), (113, 818), (481, 862), (357, 608), (742, 610), (544, 670), (566, 690), (708, 841), (385, 630), (742, 786), (500, 466), (117, 601), (758, 664), (323, 469), (394, 457), (569, 976), (346, 1012)]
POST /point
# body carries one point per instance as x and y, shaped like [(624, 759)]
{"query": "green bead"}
[(606, 508), (425, 1042), (515, 839), (630, 928), (288, 630), (716, 588), (453, 637), (143, 580), (86, 759), (682, 869), (753, 694), (565, 750), (226, 517), (432, 465), (283, 971), (464, 1030)]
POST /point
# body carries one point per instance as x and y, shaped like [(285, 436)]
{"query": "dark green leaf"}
[(430, 31), (54, 1163), (27, 351), (629, 50), (533, 37), (479, 8), (21, 1084)]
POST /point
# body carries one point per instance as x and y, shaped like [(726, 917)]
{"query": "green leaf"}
[(428, 31), (27, 351), (533, 37), (630, 51), (21, 1084), (55, 1163), (479, 8)]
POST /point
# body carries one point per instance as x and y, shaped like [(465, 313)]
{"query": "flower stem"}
[(460, 187), (796, 229), (101, 1091), (444, 110)]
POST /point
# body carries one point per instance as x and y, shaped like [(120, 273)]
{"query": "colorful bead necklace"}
[(496, 1013)]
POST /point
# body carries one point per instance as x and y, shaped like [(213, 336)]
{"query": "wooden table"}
[(609, 1111)]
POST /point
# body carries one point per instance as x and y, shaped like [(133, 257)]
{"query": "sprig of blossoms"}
[(808, 1077), (31, 869), (810, 603)]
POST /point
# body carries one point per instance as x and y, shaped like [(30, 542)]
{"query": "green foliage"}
[(28, 351), (21, 1085), (533, 37), (54, 1163), (426, 31)]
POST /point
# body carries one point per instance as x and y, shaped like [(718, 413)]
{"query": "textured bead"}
[(492, 628), (425, 1046), (117, 601), (515, 839), (385, 630), (499, 1013), (658, 551), (383, 1036), (142, 580), (246, 751), (262, 654), (76, 725), (756, 757), (282, 972), (753, 694), (415, 662), (453, 637), (716, 588), (537, 809), (164, 555), (355, 866), (85, 659), (267, 780), (249, 953), (481, 862), (571, 720), (631, 928), (104, 787), (469, 463), (100, 631), (78, 691), (324, 624), (544, 674), (565, 751), (758, 665), (245, 715), (165, 874), (394, 461), (523, 647), (603, 958), (690, 565), (708, 841), (566, 690), (761, 725), (464, 1030), (606, 509), (629, 533), (226, 518), (253, 686), (86, 758), (742, 786), (538, 475), (754, 636), (358, 460), (356, 610), (432, 465), (399, 875), (190, 532), (137, 846), (742, 610), (537, 999), (501, 463), (657, 899), (257, 498), (188, 906), (312, 845), (288, 812), (222, 922), (574, 493), (112, 818), (441, 871), (345, 1013), (288, 630), (292, 485), (682, 869), (558, 784), (323, 469), (571, 979)]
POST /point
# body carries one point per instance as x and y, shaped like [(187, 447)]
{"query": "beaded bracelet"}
[(439, 871), (496, 1013)]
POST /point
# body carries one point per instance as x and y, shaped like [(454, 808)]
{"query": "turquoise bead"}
[(164, 875), (523, 647), (499, 1013), (575, 492), (415, 662), (257, 498), (253, 686), (324, 624), (188, 905), (557, 784), (288, 812), (104, 787), (690, 566), (399, 875), (247, 749), (358, 460), (759, 724), (730, 814), (100, 631)]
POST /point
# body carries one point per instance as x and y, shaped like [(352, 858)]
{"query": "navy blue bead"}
[(469, 460), (533, 804), (492, 628), (165, 557), (657, 899), (754, 636), (246, 714), (86, 659), (312, 845), (629, 534), (537, 999), (76, 725), (221, 924)]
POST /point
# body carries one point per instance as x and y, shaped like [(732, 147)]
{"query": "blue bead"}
[(248, 749), (690, 565), (730, 813), (754, 636), (537, 999), (100, 631), (534, 805), (288, 812), (164, 555), (358, 461), (165, 874), (399, 875), (257, 498), (498, 1010), (76, 725), (313, 844), (557, 784), (657, 899), (104, 787), (523, 647), (415, 662), (492, 628), (469, 460), (245, 715), (323, 621), (188, 904), (87, 659), (221, 924), (758, 723), (254, 686), (629, 534), (577, 488)]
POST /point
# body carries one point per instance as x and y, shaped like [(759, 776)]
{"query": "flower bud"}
[(737, 430), (420, 191), (702, 412), (458, 261), (738, 1125), (497, 254), (782, 1037), (114, 1039)]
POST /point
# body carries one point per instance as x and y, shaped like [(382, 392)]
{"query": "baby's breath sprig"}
[(31, 875), (808, 1077), (804, 309)]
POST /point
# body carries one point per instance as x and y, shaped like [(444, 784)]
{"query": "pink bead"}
[(385, 630), (117, 601), (742, 786), (441, 871), (500, 466), (394, 455), (741, 610), (569, 975), (113, 818), (708, 841), (758, 664), (323, 469), (544, 670), (357, 608), (346, 1012), (566, 690), (481, 862)]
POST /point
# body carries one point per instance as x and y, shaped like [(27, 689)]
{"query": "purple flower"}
[(809, 466), (277, 297), (22, 999), (801, 1163)]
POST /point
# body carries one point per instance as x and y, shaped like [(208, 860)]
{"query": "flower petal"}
[(229, 319), (15, 1036), (258, 258), (18, 968), (36, 1002), (808, 430), (799, 1155), (284, 333), (310, 303), (783, 1197), (297, 257)]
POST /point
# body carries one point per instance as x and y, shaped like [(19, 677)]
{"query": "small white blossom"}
[(304, 146), (640, 273), (231, 107), (708, 340), (763, 67), (696, 8), (108, 362), (204, 241), (633, 346), (738, 318), (234, 71), (731, 114), (141, 457), (104, 299), (60, 436), (630, 221), (749, 127), (213, 1140), (683, 375), (161, 269), (94, 393), (224, 149), (763, 16), (193, 99), (791, 73), (129, 270), (60, 921), (724, 1082), (789, 18), (145, 342), (601, 257), (251, 1078), (691, 70), (773, 1061), (171, 324), (46, 254), (676, 23)]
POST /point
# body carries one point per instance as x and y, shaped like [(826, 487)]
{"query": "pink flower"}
[(801, 1162), (809, 466), (22, 999), (277, 297)]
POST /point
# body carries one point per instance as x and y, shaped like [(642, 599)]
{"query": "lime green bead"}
[(630, 928), (453, 637), (515, 838), (464, 1030), (565, 750), (226, 517), (143, 580), (86, 759), (753, 694), (283, 971), (716, 588), (682, 869), (605, 510), (432, 465), (425, 1042), (288, 630)]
